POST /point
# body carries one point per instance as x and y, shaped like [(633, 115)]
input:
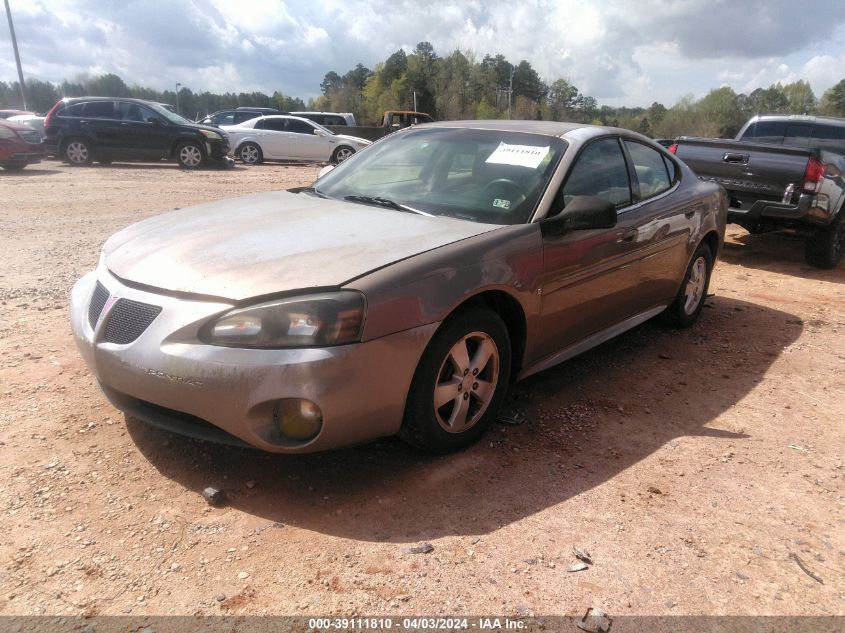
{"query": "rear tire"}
[(689, 302), (459, 384), (250, 154), (76, 151), (190, 156), (825, 248)]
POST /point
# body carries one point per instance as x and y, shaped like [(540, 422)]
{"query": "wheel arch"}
[(174, 146), (512, 314)]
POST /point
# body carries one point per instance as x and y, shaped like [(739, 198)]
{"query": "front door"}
[(590, 277)]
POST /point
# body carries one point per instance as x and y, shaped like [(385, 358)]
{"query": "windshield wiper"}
[(386, 202), (312, 190)]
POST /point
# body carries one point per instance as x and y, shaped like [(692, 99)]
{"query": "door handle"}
[(731, 157)]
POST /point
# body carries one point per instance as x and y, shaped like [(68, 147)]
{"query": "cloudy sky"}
[(622, 52)]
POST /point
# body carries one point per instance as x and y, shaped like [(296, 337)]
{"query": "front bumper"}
[(166, 372)]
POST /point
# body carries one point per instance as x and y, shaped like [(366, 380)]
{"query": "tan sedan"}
[(403, 292)]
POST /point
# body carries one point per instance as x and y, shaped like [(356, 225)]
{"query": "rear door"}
[(307, 145), (100, 123)]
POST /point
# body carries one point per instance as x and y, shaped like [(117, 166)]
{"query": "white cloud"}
[(621, 55)]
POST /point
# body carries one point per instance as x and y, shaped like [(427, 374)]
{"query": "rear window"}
[(797, 135), (99, 110)]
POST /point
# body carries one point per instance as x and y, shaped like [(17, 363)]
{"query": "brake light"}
[(673, 148), (813, 175), (49, 118)]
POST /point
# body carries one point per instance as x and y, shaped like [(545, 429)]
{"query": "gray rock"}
[(422, 548), (214, 496)]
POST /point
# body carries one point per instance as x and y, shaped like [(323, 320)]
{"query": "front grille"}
[(127, 321), (33, 138), (98, 302)]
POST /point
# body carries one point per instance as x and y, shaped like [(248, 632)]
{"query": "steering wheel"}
[(506, 184)]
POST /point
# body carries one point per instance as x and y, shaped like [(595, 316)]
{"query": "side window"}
[(829, 137), (797, 135), (128, 111), (600, 171), (227, 118), (299, 127), (650, 169), (99, 110), (766, 132), (335, 120), (240, 117), (72, 110), (277, 125)]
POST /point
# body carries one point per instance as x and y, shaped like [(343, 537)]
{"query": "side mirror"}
[(582, 213), (319, 133)]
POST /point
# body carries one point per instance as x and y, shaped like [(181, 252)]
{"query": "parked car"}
[(280, 137), (237, 116), (19, 146), (781, 172), (105, 129), (403, 291), (30, 120), (328, 118)]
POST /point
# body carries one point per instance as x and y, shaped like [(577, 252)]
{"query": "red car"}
[(19, 146)]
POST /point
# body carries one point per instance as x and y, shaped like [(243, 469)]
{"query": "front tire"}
[(689, 302), (190, 156), (341, 154), (250, 154), (825, 248), (77, 151), (459, 384)]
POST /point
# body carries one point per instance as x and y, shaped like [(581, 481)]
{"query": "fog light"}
[(297, 419)]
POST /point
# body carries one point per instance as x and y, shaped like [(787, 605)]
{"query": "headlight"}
[(214, 136), (6, 132), (319, 320)]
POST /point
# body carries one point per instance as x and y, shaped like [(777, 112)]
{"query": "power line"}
[(17, 55)]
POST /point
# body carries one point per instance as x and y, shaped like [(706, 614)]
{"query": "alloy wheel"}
[(466, 382), (695, 285), (77, 152), (190, 156), (249, 154)]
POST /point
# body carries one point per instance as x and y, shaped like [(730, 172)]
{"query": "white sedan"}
[(280, 137)]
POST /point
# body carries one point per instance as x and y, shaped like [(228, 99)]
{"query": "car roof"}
[(800, 118), (547, 128), (68, 100)]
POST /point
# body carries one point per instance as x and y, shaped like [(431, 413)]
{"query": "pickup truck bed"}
[(774, 187)]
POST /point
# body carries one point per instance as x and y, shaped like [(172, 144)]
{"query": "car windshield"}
[(172, 117), (488, 176)]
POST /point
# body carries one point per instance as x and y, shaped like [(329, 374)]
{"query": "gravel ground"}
[(702, 470)]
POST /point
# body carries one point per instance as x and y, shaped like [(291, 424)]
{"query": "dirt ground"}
[(701, 469)]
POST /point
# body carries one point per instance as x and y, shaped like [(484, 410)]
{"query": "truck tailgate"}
[(749, 171)]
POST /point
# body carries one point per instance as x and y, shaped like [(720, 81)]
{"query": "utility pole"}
[(177, 92), (510, 92), (17, 55)]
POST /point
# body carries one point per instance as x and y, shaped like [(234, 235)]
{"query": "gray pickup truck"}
[(781, 172)]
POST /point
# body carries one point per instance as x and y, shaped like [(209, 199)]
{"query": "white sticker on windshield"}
[(519, 155)]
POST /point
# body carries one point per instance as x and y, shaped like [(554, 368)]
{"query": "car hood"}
[(273, 242)]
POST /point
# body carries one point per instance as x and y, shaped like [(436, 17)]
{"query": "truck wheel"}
[(686, 307), (825, 248), (459, 384)]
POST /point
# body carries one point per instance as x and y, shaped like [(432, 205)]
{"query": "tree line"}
[(459, 86)]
